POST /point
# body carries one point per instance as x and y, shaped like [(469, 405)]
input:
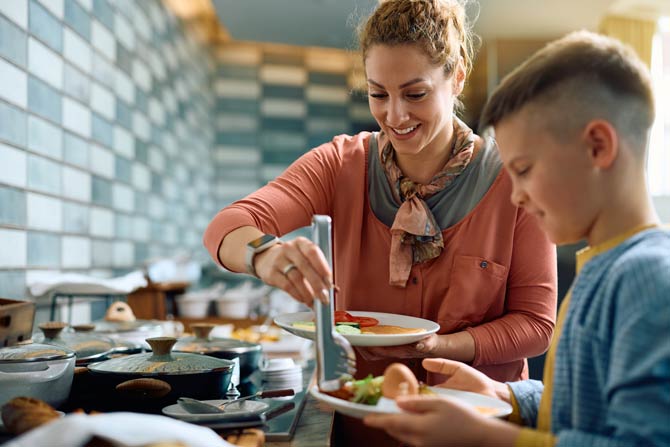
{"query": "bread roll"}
[(25, 413)]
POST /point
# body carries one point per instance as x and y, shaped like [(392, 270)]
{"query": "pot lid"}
[(34, 352), (202, 343), (87, 345), (162, 361)]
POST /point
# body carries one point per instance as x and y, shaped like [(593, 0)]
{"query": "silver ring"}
[(288, 268)]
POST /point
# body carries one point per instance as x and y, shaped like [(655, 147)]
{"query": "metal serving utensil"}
[(335, 356), (196, 406)]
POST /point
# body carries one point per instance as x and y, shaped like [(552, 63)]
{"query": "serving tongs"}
[(335, 358)]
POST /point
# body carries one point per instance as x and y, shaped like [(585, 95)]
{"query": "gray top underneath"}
[(448, 206)]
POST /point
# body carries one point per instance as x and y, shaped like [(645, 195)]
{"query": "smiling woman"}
[(414, 206)]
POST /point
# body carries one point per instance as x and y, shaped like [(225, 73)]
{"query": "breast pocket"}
[(475, 285)]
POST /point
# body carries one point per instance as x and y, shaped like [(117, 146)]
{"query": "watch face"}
[(256, 243)]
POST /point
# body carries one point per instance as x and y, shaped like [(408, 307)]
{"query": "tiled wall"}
[(106, 128), (121, 136)]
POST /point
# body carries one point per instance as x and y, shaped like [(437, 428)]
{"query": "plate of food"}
[(363, 328), (358, 398)]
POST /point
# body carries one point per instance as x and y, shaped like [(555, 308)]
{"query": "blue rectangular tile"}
[(13, 285), (281, 157), (101, 191), (327, 110), (316, 77), (78, 19), (141, 100), (13, 124), (141, 203), (75, 150), (124, 114), (283, 91), (102, 130), (45, 26), (44, 100), (237, 138), (123, 169), (141, 253), (238, 72), (124, 226), (286, 124), (44, 175), (315, 140), (156, 135), (157, 183), (248, 106), (104, 13), (13, 42), (76, 84), (75, 218), (12, 206), (43, 250), (124, 59), (141, 151), (156, 229)]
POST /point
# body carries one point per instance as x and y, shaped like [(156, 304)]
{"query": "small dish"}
[(233, 412)]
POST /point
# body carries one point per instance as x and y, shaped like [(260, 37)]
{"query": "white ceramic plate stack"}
[(281, 373)]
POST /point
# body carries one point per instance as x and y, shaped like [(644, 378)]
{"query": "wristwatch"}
[(258, 246)]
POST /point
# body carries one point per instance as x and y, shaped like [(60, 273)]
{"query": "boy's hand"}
[(432, 421), (465, 378)]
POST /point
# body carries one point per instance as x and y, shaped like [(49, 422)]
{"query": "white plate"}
[(233, 411), (389, 406), (285, 322)]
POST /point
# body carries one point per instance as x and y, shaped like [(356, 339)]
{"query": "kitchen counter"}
[(313, 429)]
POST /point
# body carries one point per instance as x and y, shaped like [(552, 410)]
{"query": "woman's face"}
[(411, 99)]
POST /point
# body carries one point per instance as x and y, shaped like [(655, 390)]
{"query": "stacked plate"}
[(279, 373)]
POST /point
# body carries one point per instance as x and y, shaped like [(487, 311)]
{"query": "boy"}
[(572, 125)]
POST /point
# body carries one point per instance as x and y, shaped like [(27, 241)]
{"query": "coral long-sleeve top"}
[(496, 277)]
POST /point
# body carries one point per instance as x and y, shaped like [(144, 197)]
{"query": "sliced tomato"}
[(366, 321), (342, 316)]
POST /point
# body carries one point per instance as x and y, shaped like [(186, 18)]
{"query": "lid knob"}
[(202, 330), (161, 346), (52, 329), (83, 327)]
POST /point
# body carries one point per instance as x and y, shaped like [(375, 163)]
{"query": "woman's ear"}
[(459, 78), (602, 141)]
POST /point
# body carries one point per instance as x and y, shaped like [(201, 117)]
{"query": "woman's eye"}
[(416, 95), (377, 95), (521, 172)]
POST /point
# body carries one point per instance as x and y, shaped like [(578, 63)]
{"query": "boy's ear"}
[(602, 140)]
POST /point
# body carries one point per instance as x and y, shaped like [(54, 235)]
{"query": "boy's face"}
[(552, 180)]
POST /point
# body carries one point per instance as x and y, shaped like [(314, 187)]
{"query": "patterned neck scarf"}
[(415, 235)]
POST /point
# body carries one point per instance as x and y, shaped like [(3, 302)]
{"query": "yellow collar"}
[(587, 253)]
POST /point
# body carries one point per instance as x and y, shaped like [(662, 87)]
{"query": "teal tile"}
[(281, 157), (75, 218), (141, 253), (242, 173), (141, 202), (75, 150), (248, 106), (156, 135), (12, 207), (13, 42), (45, 138), (44, 175), (141, 100), (45, 26), (315, 140), (238, 72), (102, 130), (43, 250), (102, 253), (124, 114), (13, 124), (237, 138), (101, 191), (13, 285), (141, 151), (361, 126), (156, 229), (285, 124), (124, 59), (157, 183), (359, 96), (76, 84), (316, 77), (78, 19), (283, 91), (283, 59), (44, 100), (123, 169), (104, 13), (327, 110)]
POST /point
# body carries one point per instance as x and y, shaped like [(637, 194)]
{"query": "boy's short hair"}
[(582, 76)]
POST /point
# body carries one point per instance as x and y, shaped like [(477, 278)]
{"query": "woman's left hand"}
[(426, 347)]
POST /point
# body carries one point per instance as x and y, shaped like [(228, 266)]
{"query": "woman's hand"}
[(465, 378), (438, 421), (298, 267), (421, 349)]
